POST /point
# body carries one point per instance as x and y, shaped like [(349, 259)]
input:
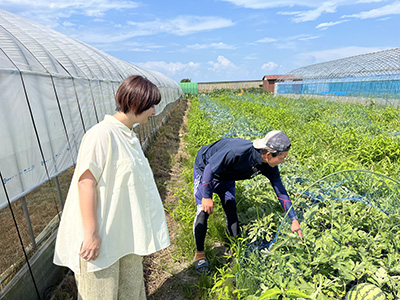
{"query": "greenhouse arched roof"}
[(30, 47), (380, 63), (53, 88)]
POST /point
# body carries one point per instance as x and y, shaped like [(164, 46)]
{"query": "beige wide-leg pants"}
[(122, 280)]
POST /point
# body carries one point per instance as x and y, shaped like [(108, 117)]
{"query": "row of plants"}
[(348, 210)]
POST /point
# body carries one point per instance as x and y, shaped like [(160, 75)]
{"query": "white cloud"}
[(390, 9), (68, 24), (269, 66), (128, 46), (369, 1), (49, 13), (292, 42), (308, 58), (219, 45), (100, 37), (222, 63), (313, 8), (170, 68), (54, 13), (307, 37), (182, 25), (316, 8), (67, 8), (266, 40), (288, 13), (324, 26), (313, 14), (262, 4), (251, 56)]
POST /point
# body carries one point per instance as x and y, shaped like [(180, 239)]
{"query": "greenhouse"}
[(53, 89), (372, 75)]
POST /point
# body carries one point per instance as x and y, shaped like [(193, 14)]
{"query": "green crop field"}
[(341, 174)]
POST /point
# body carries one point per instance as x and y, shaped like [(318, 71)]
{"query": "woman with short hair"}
[(113, 214)]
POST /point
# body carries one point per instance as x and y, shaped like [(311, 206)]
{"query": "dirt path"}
[(166, 276)]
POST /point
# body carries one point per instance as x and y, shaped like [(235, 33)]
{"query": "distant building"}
[(269, 81)]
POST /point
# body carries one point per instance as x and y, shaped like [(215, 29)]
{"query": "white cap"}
[(275, 140)]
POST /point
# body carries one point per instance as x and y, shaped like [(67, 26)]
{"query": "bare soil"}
[(167, 277), (43, 206)]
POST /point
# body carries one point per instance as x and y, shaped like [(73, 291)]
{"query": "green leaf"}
[(270, 293), (297, 293)]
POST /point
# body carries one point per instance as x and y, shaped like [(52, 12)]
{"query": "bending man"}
[(219, 165)]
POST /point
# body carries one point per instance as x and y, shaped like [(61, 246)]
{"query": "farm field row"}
[(341, 174)]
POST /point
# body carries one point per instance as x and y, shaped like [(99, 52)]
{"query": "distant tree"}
[(186, 80)]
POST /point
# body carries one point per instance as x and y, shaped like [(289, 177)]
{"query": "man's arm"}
[(286, 203), (296, 228), (207, 204)]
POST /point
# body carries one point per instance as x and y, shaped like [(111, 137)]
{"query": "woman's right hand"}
[(90, 247), (88, 204)]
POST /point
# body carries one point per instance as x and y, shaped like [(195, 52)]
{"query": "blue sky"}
[(221, 40)]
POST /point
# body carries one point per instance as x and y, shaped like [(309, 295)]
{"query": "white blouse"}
[(130, 213)]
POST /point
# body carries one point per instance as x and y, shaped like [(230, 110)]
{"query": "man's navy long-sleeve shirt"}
[(232, 159)]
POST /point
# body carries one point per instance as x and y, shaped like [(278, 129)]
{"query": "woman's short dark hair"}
[(137, 94)]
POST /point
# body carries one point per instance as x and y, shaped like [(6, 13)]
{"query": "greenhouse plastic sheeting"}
[(366, 88), (375, 75), (52, 90)]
